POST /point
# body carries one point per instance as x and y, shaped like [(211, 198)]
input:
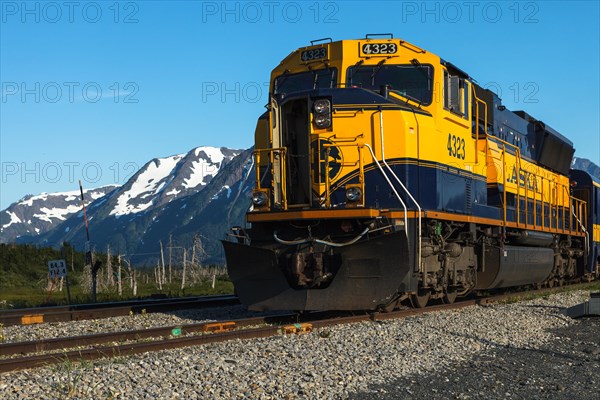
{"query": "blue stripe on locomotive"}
[(445, 188)]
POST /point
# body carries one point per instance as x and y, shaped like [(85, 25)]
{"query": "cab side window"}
[(456, 95)]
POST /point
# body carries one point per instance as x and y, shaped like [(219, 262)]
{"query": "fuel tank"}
[(514, 266), (533, 238)]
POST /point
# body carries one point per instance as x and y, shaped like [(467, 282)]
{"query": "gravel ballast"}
[(522, 350), (18, 333)]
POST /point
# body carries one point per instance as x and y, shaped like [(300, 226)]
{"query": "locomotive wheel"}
[(449, 296), (420, 299)]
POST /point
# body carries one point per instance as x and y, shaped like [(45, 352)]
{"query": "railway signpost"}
[(58, 269)]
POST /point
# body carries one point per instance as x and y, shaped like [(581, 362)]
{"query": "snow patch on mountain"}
[(67, 196), (203, 168), (13, 219), (58, 213), (147, 184), (173, 192), (215, 154)]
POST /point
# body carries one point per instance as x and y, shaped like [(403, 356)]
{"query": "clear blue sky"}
[(93, 90)]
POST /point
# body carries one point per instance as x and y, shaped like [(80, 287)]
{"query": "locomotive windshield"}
[(412, 81), (319, 79)]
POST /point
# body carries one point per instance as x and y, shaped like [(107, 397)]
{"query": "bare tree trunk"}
[(194, 250), (162, 257), (119, 283), (200, 247), (130, 274), (183, 275), (170, 253), (157, 275), (192, 271), (60, 285), (134, 277), (49, 284), (86, 279), (110, 277)]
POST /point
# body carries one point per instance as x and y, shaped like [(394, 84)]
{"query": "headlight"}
[(323, 120), (322, 106), (353, 194), (322, 113), (259, 199)]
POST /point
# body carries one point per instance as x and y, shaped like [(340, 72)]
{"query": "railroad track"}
[(21, 355), (114, 309)]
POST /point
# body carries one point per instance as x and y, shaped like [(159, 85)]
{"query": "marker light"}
[(353, 194), (259, 199)]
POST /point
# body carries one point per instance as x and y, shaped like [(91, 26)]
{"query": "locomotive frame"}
[(384, 172)]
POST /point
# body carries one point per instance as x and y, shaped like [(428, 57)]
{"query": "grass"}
[(23, 297), (592, 286)]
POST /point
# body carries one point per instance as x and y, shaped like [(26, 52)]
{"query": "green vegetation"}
[(25, 266), (592, 286), (24, 281)]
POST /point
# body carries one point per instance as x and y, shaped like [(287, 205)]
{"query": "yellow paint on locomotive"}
[(442, 140)]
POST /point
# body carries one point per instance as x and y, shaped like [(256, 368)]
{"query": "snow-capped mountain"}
[(33, 215), (163, 180), (168, 196)]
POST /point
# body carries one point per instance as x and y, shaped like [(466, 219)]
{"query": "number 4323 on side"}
[(456, 147)]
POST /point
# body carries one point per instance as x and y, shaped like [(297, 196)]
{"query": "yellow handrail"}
[(281, 151), (504, 190), (556, 203), (477, 102), (361, 178)]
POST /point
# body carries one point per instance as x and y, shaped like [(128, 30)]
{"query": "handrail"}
[(581, 225), (543, 208), (402, 186), (556, 203), (345, 143), (327, 183), (477, 101), (282, 177), (504, 190), (392, 187)]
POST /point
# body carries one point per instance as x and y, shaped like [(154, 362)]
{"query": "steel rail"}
[(105, 310), (120, 303)]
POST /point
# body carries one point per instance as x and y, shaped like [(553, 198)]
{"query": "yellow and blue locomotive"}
[(385, 173)]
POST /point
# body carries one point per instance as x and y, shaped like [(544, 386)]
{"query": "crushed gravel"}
[(19, 333), (522, 350)]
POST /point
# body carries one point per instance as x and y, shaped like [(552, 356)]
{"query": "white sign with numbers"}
[(57, 269)]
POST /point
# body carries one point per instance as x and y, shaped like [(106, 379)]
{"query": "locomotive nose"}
[(369, 275)]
